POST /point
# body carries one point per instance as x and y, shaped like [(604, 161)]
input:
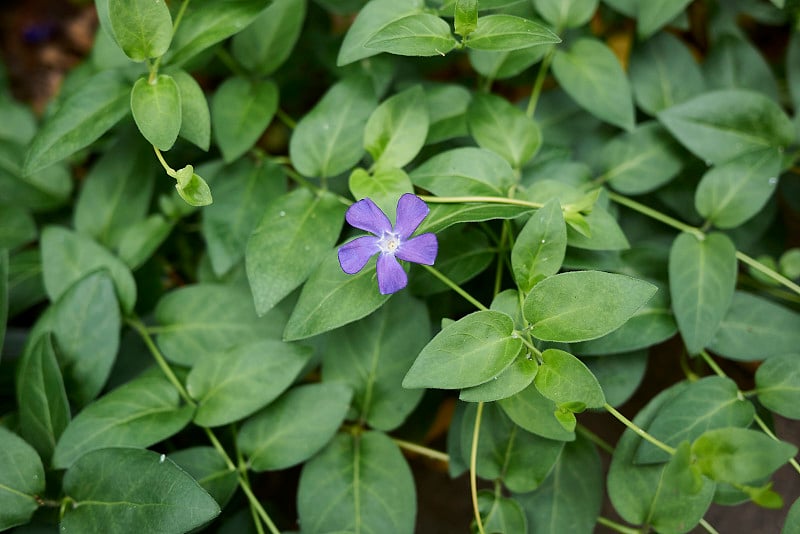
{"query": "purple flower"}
[(391, 243)]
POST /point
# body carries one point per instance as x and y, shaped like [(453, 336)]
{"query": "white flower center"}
[(389, 243)]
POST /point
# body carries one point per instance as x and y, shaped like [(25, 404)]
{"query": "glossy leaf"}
[(792, 519), (231, 385), (564, 379), (330, 299), (238, 207), (220, 318), (156, 107), (192, 188), (503, 32), (591, 74), (604, 232), (68, 256), (500, 514), (510, 381), (142, 28), (160, 495), (702, 277), (208, 468), (540, 247), (368, 478), (566, 13), (465, 171), (466, 17), (42, 190), (536, 414), (504, 129), (373, 18), (570, 498), (295, 233), (720, 125), (374, 354), (464, 253), (267, 43), (447, 107), (396, 130), (17, 227), (19, 487), (138, 414), (733, 192), (563, 307), (195, 115), (778, 385), (471, 351), (81, 119), (241, 110), (43, 407), (443, 216), (711, 402), (141, 240), (417, 34), (295, 427), (328, 140), (505, 64)]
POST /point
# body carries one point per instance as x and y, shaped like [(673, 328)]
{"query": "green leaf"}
[(4, 294), (506, 452), (466, 17), (208, 468), (192, 188), (195, 115), (396, 130), (331, 298), (642, 160), (82, 118), (156, 108), (702, 277), (510, 381), (564, 307), (142, 412), (778, 385), (295, 427), (500, 514), (447, 107), (328, 140), (471, 351), (566, 13), (720, 125), (416, 34), (443, 216), (41, 397), (663, 73), (208, 22), (466, 171), (21, 122), (42, 190), (241, 110), (711, 402), (25, 286), (509, 32), (571, 497), (373, 18), (367, 477), (604, 232), (204, 319), (142, 28), (654, 14), (464, 253), (504, 129), (296, 231), (792, 519), (591, 74), (789, 263), (21, 486), (141, 239), (17, 227), (238, 207), (374, 354), (233, 384), (646, 494), (68, 256), (733, 192), (505, 64), (734, 63), (755, 329), (116, 193), (266, 44), (535, 413), (564, 379), (540, 247), (620, 375), (86, 323), (384, 187), (157, 495), (739, 455)]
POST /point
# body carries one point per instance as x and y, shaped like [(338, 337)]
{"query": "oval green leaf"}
[(142, 28), (156, 107), (508, 32), (416, 34), (241, 110), (19, 487)]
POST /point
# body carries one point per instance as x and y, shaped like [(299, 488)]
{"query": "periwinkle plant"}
[(576, 186)]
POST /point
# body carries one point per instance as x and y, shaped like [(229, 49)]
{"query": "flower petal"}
[(366, 215), (355, 254), (410, 211), (391, 276), (421, 249)]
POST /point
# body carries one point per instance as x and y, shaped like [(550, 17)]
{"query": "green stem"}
[(175, 24), (231, 63), (539, 83), (286, 119), (760, 422), (455, 287), (140, 327), (257, 506), (641, 433), (474, 199), (170, 171), (594, 438), (707, 526), (757, 265), (424, 451), (613, 525), (473, 462), (712, 364), (530, 345), (498, 274)]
